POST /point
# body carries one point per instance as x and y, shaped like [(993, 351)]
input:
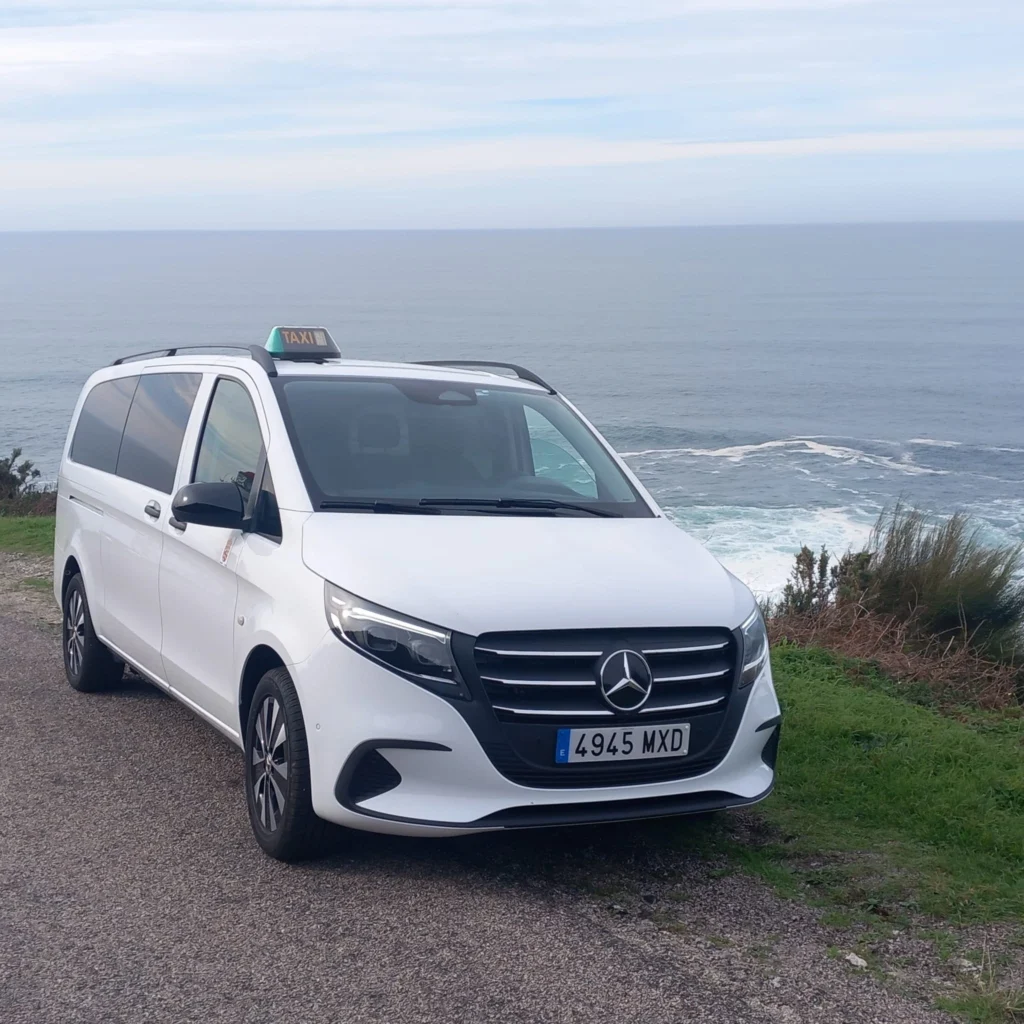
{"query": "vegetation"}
[(15, 477), (900, 797), (917, 812), (20, 495), (946, 581), (928, 604), (29, 534)]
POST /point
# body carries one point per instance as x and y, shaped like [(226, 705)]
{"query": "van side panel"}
[(79, 534), (78, 527)]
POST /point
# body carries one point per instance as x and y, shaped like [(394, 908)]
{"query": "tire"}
[(277, 787), (88, 665)]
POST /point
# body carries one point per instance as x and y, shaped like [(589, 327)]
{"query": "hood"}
[(478, 574)]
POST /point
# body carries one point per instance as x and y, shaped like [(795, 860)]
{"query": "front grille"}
[(539, 682), (552, 676)]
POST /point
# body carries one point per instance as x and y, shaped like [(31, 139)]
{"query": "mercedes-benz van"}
[(423, 598)]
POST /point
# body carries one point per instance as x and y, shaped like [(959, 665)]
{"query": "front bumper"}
[(447, 785)]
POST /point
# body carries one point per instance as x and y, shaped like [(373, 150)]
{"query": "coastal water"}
[(773, 386)]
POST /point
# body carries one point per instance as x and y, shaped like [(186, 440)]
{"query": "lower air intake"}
[(373, 776)]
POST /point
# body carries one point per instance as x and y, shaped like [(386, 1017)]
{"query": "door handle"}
[(152, 509), (178, 525)]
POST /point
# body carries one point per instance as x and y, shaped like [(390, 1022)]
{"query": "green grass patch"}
[(887, 808), (31, 535), (37, 583), (990, 1006)]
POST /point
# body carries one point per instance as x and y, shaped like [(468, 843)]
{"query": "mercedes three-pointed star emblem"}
[(625, 681)]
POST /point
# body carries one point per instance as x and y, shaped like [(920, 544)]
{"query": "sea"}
[(772, 386)]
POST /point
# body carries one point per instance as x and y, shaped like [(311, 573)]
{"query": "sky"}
[(148, 114)]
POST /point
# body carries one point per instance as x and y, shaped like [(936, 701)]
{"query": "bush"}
[(943, 579), (15, 478), (939, 580), (19, 493), (927, 603), (815, 583)]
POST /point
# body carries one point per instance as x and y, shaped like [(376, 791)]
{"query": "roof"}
[(349, 368)]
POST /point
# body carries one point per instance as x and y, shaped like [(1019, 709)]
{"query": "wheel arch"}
[(261, 659), (71, 570)]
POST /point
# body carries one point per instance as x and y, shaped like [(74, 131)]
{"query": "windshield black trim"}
[(519, 504), (637, 509)]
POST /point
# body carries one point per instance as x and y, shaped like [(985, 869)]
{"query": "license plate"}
[(622, 744)]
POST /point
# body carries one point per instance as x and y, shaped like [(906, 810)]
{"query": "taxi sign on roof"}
[(302, 343)]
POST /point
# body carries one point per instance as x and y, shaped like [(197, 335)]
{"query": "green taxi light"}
[(302, 343)]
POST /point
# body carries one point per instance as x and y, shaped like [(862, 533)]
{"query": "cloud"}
[(180, 96), (350, 167)]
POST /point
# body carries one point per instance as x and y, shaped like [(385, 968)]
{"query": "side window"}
[(230, 447), (267, 515), (156, 424), (555, 458), (101, 424)]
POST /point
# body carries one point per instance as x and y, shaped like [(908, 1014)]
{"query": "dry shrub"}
[(928, 603), (951, 672), (42, 502)]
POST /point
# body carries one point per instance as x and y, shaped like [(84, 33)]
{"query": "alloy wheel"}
[(269, 764), (74, 632)]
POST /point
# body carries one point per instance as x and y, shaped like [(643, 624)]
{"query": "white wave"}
[(758, 544), (798, 445), (933, 443)]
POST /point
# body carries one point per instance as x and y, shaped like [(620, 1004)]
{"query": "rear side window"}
[(230, 447), (156, 425), (101, 423)]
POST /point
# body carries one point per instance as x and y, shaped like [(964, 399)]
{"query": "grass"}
[(917, 813), (43, 583), (890, 814), (31, 535), (996, 1007)]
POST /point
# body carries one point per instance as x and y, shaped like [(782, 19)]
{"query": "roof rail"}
[(256, 352), (520, 371)]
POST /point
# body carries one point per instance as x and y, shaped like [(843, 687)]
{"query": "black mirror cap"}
[(216, 504)]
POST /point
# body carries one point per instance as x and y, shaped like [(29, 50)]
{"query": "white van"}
[(426, 599)]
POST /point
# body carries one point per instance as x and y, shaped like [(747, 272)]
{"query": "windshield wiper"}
[(525, 503), (381, 507)]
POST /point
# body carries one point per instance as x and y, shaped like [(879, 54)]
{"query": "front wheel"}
[(277, 787)]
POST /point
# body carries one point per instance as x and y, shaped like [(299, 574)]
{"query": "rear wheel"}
[(277, 787), (87, 663)]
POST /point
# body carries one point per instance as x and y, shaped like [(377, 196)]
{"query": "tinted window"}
[(230, 447), (101, 423), (365, 440), (156, 424)]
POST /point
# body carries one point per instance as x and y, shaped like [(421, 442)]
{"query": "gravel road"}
[(131, 891)]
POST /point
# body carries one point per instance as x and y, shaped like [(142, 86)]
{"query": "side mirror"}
[(218, 504)]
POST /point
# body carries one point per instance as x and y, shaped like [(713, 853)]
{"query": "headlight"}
[(416, 650), (755, 647)]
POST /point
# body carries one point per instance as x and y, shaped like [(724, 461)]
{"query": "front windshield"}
[(445, 445)]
